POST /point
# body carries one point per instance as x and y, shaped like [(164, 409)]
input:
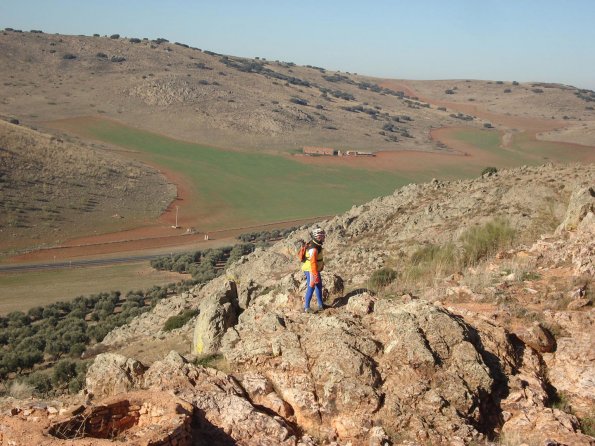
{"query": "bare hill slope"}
[(54, 189), (247, 103)]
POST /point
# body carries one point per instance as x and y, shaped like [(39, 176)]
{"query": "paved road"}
[(75, 263)]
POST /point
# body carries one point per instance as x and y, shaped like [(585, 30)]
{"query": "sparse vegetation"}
[(382, 277), (213, 360), (202, 265), (432, 261), (179, 320), (298, 101), (489, 171)]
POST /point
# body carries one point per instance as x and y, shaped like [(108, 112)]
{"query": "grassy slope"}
[(237, 188), (524, 148)]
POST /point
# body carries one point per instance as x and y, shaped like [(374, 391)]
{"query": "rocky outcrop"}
[(224, 413), (135, 418), (581, 203), (406, 367), (112, 373), (217, 314), (571, 368), (537, 337)]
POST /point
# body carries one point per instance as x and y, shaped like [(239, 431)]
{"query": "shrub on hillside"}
[(179, 320), (481, 241), (134, 40), (382, 277), (432, 261), (114, 36), (101, 55), (489, 171), (118, 59), (69, 56), (298, 101)]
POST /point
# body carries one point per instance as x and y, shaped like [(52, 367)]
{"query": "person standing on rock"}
[(312, 266)]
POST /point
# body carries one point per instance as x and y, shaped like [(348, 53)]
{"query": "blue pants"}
[(310, 290)]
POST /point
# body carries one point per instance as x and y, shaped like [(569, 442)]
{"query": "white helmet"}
[(317, 233)]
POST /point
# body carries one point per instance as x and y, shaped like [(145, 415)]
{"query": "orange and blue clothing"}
[(312, 267)]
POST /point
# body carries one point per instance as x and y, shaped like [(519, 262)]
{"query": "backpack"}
[(304, 247), (301, 255)]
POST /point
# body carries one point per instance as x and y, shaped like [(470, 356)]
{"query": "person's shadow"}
[(342, 300)]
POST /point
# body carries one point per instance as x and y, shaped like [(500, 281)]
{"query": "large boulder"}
[(217, 313), (571, 368), (581, 203), (224, 415), (436, 382), (111, 374), (537, 337)]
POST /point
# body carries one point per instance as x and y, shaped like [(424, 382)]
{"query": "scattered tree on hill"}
[(489, 171)]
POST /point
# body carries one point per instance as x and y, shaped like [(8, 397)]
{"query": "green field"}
[(21, 291), (239, 188), (524, 149)]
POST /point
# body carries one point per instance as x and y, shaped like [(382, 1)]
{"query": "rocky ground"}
[(500, 352)]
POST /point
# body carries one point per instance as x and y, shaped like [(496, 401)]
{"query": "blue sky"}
[(522, 40)]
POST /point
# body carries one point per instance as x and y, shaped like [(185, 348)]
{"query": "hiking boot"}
[(307, 310)]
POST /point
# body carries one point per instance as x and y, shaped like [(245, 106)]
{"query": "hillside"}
[(54, 189), (226, 101), (116, 93), (483, 335)]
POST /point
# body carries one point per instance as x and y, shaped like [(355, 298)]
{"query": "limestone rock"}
[(545, 426), (225, 416), (581, 203), (409, 365), (571, 368), (537, 337), (112, 373), (217, 314)]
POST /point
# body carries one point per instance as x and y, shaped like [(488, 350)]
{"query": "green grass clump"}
[(482, 241), (588, 424), (382, 277), (179, 320), (214, 361), (475, 244)]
